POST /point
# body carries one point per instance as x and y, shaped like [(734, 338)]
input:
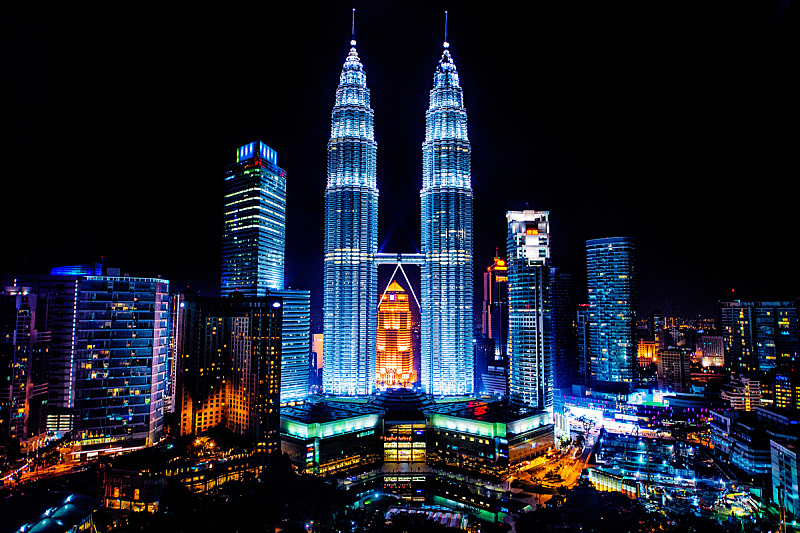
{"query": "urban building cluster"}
[(117, 362)]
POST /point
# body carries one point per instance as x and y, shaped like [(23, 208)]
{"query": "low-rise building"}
[(400, 426), (326, 437)]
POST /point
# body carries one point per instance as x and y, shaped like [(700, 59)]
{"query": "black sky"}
[(672, 122)]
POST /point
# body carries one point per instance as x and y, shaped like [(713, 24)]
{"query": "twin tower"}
[(351, 239)]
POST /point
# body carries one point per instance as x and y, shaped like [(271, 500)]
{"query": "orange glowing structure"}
[(395, 359)]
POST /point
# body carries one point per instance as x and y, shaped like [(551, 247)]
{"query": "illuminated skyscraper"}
[(529, 310), (610, 278), (253, 250), (254, 230), (395, 357), (447, 355), (351, 238)]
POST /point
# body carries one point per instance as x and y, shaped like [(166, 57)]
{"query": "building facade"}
[(611, 284), (446, 278), (674, 370), (583, 344), (563, 338), (742, 393), (120, 348), (785, 477), (759, 336), (395, 364), (351, 238), (254, 222), (494, 321), (529, 309), (23, 342), (253, 254), (787, 390), (711, 350), (296, 344), (229, 366)]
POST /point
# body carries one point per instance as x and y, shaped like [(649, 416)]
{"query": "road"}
[(44, 473)]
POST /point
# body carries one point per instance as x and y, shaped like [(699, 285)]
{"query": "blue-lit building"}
[(253, 252), (296, 347), (611, 288), (529, 310), (120, 350), (446, 278), (351, 239), (254, 222)]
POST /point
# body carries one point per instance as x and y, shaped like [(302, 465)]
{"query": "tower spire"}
[(353, 29), (446, 44)]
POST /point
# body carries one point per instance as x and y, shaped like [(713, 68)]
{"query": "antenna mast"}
[(353, 29), (446, 44)]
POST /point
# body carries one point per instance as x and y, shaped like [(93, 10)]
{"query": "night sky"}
[(671, 122)]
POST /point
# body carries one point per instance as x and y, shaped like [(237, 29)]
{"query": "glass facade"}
[(60, 292), (529, 310), (611, 286), (253, 251), (351, 239), (120, 346), (759, 336), (446, 278), (254, 222), (295, 344)]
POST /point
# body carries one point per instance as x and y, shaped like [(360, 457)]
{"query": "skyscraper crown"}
[(353, 70), (446, 73), (446, 160)]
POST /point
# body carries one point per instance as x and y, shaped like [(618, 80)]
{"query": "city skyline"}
[(659, 115)]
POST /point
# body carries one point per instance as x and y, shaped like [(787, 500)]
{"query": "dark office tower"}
[(565, 350), (254, 222), (23, 343), (57, 293), (529, 310), (228, 366), (584, 351), (674, 370), (120, 345), (612, 309), (759, 336), (494, 323), (447, 355), (351, 238), (656, 324)]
